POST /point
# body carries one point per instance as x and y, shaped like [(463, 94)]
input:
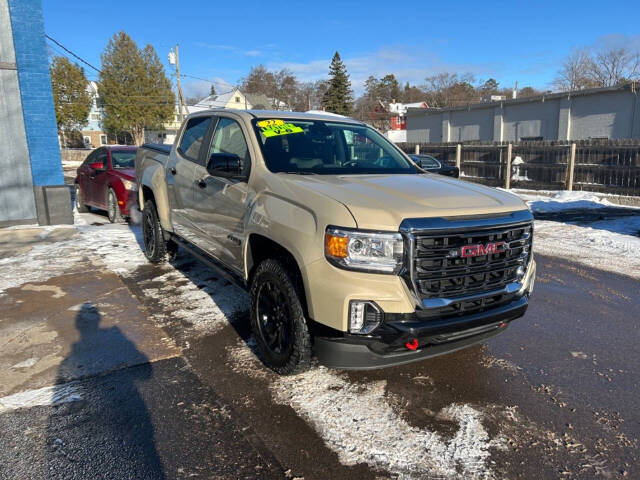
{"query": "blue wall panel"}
[(35, 92)]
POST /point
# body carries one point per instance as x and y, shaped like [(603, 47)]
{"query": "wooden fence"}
[(606, 166)]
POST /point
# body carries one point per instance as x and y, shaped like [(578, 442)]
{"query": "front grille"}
[(438, 270)]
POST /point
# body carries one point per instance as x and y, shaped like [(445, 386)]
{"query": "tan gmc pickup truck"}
[(349, 250)]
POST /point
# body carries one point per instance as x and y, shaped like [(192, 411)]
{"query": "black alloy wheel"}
[(273, 318)]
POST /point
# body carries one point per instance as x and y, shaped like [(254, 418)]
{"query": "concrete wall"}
[(17, 204), (612, 113)]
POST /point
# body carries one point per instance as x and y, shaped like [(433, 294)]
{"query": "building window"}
[(237, 99), (95, 116), (103, 139)]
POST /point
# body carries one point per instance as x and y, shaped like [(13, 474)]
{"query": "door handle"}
[(173, 170)]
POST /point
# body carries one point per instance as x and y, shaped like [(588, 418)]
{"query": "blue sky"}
[(220, 41)]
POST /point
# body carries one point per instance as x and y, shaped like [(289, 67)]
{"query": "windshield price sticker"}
[(281, 129), (270, 123)]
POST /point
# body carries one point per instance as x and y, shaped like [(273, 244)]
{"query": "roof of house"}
[(217, 101)]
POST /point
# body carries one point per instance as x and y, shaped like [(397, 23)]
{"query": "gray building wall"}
[(536, 119), (17, 204), (468, 125), (606, 115), (610, 112)]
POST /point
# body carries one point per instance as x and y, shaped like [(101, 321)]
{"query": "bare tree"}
[(575, 72), (450, 89), (614, 66)]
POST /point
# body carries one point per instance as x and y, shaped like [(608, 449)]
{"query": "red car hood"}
[(126, 173)]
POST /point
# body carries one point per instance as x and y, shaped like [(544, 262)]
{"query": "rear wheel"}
[(155, 247), (277, 319), (80, 205), (113, 209)]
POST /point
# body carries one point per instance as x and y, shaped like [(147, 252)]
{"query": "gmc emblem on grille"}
[(480, 249)]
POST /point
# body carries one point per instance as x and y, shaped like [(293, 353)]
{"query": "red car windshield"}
[(121, 159)]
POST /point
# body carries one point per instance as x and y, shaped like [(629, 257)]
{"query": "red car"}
[(107, 180)]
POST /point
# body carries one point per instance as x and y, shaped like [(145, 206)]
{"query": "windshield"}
[(123, 158), (327, 148)]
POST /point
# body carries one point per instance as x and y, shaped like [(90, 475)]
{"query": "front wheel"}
[(277, 319)]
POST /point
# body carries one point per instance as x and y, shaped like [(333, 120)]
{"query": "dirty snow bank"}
[(611, 245), (561, 200)]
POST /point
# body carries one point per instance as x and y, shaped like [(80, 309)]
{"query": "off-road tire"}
[(155, 246), (297, 357), (80, 205), (113, 209)]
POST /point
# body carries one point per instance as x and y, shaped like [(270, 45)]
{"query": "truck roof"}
[(282, 114)]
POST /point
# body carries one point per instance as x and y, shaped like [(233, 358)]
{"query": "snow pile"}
[(611, 245), (565, 200), (360, 425)]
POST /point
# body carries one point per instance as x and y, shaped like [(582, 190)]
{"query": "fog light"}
[(364, 316), (520, 272)]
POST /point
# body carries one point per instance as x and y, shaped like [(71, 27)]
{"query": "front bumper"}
[(386, 346)]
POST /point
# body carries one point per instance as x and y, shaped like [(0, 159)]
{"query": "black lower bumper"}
[(435, 337)]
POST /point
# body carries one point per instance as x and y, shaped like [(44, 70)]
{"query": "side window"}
[(90, 158), (229, 138), (192, 137), (102, 158)]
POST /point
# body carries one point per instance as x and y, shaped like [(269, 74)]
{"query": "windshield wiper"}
[(300, 173)]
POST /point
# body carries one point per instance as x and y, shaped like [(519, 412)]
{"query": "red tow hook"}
[(412, 345)]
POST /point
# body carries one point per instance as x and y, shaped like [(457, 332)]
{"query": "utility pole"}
[(174, 58)]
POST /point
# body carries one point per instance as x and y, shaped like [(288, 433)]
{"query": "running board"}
[(210, 262)]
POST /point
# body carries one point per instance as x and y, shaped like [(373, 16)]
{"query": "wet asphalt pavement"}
[(555, 394)]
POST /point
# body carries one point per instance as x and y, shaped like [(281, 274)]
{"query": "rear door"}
[(181, 174), (221, 201)]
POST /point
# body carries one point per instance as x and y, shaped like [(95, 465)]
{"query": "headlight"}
[(129, 185), (366, 251)]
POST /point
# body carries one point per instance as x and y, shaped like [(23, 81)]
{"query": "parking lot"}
[(115, 368)]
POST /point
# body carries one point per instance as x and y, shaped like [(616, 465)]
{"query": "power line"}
[(69, 51)]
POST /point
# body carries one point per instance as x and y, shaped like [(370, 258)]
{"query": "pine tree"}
[(212, 91), (70, 97), (338, 98), (134, 88)]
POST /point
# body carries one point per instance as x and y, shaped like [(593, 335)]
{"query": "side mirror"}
[(99, 166), (224, 165)]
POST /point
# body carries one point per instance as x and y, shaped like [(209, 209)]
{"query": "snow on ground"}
[(117, 246), (360, 424), (610, 244)]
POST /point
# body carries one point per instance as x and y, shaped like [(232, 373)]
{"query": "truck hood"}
[(381, 202)]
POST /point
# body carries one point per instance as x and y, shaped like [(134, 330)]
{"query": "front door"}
[(99, 180), (181, 174), (221, 201)]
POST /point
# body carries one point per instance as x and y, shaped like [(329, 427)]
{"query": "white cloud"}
[(407, 64), (201, 88)]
